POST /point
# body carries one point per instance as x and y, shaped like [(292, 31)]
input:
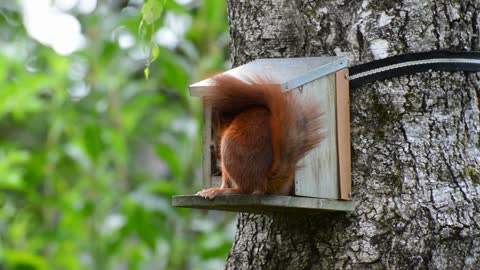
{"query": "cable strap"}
[(412, 63)]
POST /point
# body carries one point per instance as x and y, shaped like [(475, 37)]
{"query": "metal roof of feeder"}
[(289, 72)]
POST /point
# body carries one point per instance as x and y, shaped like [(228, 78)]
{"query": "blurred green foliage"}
[(91, 151)]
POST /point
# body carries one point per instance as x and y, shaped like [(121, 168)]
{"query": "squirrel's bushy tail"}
[(295, 122)]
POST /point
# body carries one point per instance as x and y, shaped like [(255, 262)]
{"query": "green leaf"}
[(11, 169), (22, 260), (155, 52), (152, 10), (169, 155), (92, 135), (164, 187), (141, 223), (146, 71)]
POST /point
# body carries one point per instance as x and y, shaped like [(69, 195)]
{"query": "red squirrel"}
[(270, 132)]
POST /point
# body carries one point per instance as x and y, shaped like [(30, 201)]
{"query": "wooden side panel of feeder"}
[(318, 176), (343, 131), (210, 179), (207, 139)]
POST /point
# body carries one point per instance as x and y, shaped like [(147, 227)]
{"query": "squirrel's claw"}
[(209, 193)]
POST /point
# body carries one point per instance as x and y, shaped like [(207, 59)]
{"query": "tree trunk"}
[(415, 139)]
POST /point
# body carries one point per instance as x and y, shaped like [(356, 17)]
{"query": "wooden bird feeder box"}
[(324, 181)]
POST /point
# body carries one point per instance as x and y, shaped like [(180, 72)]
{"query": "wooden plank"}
[(318, 176), (252, 203), (343, 137), (207, 139)]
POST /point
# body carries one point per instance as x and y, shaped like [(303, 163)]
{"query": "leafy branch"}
[(151, 12)]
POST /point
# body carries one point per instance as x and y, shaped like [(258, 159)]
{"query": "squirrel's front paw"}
[(209, 193)]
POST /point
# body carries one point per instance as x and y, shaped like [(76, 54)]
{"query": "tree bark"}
[(415, 139)]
